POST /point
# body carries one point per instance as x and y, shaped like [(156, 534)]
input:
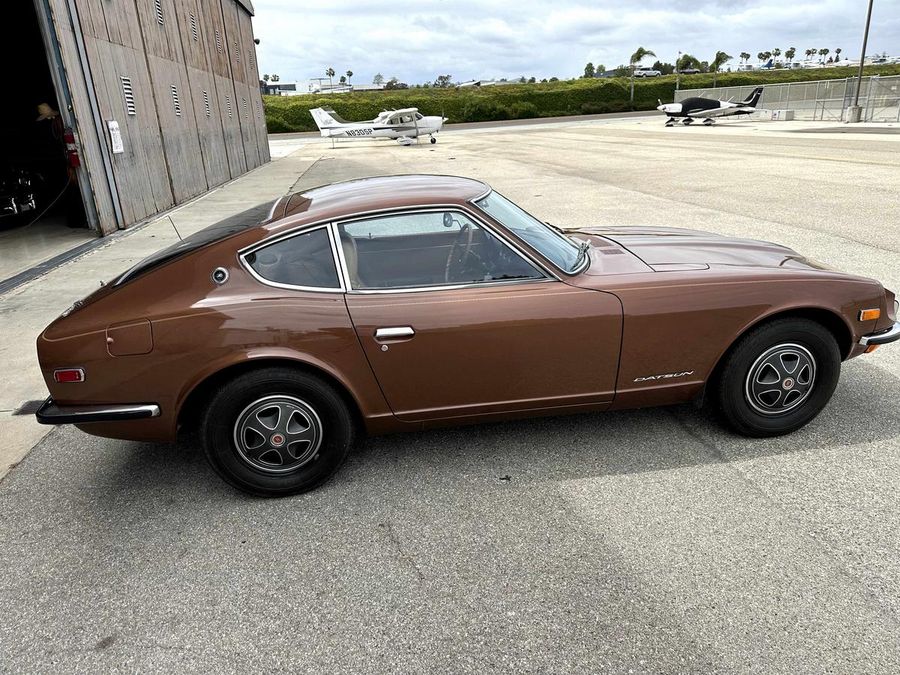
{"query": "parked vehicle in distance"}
[(405, 302), (708, 109), (690, 71), (17, 195), (646, 72)]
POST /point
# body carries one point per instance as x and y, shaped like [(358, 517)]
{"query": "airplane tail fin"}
[(326, 118), (754, 97)]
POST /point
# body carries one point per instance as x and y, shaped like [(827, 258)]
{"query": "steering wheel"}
[(463, 242)]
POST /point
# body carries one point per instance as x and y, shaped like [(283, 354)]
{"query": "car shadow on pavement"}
[(552, 448), (654, 439)]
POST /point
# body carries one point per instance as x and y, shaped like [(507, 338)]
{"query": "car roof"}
[(365, 195)]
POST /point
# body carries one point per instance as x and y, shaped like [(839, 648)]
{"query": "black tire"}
[(759, 399), (307, 406)]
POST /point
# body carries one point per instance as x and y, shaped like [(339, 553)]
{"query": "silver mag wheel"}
[(781, 379), (278, 434)]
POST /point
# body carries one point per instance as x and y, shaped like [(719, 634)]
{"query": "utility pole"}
[(854, 113), (677, 73)]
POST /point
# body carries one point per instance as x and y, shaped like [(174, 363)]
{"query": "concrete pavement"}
[(649, 541)]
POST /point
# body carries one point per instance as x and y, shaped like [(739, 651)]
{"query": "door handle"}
[(394, 332)]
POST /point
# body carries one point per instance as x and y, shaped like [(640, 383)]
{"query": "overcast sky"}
[(420, 39)]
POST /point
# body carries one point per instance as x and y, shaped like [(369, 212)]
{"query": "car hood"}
[(673, 247)]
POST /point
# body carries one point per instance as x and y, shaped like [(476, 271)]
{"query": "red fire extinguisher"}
[(71, 148)]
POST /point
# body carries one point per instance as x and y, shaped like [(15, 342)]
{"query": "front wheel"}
[(276, 431), (778, 377)]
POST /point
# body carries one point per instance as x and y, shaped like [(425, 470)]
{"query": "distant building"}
[(278, 88)]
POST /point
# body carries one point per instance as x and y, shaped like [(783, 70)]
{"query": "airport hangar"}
[(158, 102)]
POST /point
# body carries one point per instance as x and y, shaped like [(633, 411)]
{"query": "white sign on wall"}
[(115, 137)]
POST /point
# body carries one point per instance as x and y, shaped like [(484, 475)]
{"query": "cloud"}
[(418, 40)]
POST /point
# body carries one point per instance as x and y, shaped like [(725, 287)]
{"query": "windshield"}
[(557, 248)]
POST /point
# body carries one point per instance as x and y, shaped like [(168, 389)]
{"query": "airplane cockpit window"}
[(419, 116)]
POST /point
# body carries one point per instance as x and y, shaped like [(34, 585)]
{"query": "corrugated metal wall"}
[(180, 78)]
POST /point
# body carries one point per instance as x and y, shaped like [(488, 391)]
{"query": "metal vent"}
[(159, 14), (176, 101), (128, 91), (194, 32), (237, 51), (228, 105), (206, 102), (246, 109), (218, 41)]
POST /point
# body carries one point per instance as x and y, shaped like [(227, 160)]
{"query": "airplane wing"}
[(711, 112), (723, 111), (738, 110)]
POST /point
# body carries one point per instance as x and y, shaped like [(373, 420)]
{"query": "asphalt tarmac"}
[(644, 541)]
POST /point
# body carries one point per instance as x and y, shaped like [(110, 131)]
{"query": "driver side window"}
[(427, 249)]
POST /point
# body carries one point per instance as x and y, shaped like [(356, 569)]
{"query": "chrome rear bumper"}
[(50, 413), (892, 334)]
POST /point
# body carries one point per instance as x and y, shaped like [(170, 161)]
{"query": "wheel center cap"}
[(788, 383), (277, 440)]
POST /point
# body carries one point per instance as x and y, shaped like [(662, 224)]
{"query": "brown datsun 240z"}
[(398, 303)]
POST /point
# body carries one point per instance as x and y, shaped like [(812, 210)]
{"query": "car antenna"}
[(180, 238)]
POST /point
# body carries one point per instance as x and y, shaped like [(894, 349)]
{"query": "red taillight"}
[(67, 375)]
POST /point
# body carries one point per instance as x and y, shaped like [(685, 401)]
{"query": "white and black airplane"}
[(708, 109), (403, 125)]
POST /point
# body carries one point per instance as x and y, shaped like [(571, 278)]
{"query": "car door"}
[(456, 321)]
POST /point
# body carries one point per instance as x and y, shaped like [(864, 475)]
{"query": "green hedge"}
[(521, 101)]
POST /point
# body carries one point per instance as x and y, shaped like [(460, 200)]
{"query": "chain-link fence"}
[(879, 98)]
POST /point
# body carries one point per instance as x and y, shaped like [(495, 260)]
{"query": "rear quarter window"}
[(305, 260), (208, 235)]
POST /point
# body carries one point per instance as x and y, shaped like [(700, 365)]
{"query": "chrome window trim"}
[(574, 272), (243, 253), (323, 222), (548, 274)]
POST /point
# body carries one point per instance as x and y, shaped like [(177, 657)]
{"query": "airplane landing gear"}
[(709, 121), (670, 122), (433, 140), (687, 121)]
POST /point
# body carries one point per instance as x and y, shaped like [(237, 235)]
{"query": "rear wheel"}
[(778, 377), (276, 431)]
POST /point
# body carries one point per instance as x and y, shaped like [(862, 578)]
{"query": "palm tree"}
[(687, 61), (330, 74), (810, 53), (349, 75), (721, 59), (789, 53), (745, 56), (761, 56), (837, 54), (823, 53), (639, 54), (776, 52)]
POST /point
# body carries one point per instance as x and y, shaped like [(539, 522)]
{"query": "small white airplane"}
[(403, 125), (708, 109)]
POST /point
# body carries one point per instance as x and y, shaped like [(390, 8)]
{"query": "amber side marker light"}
[(871, 348), (68, 375), (869, 314)]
